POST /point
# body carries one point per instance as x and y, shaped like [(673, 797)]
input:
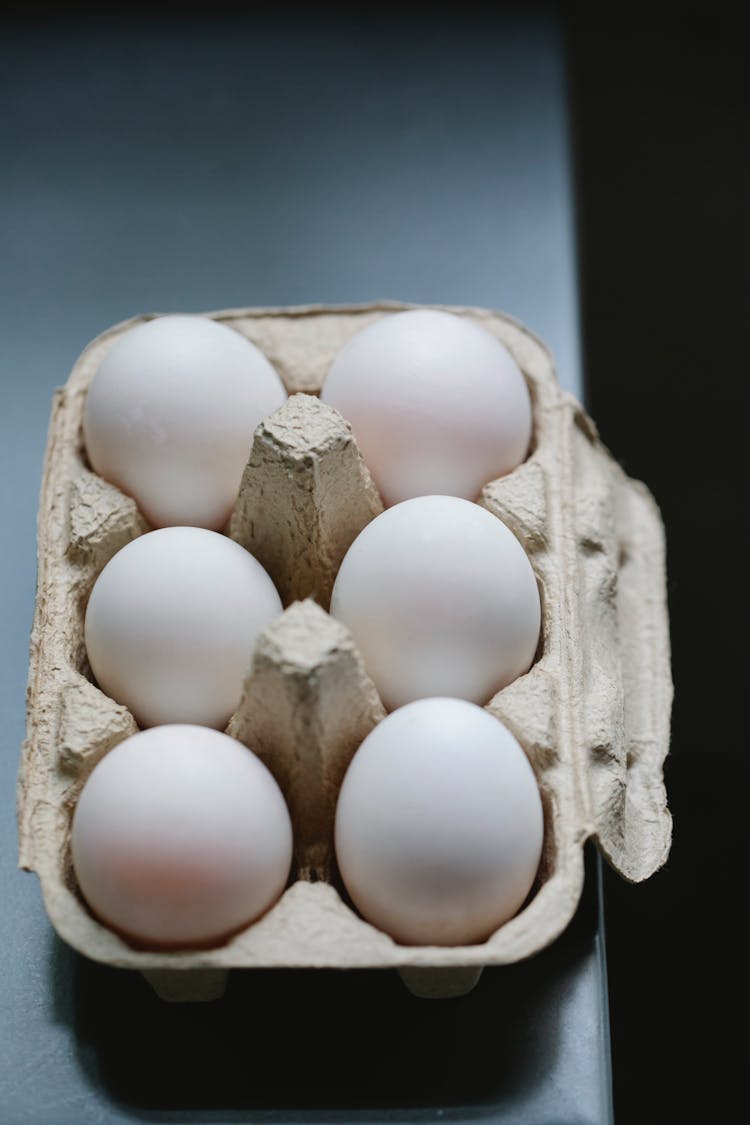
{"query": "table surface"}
[(187, 167)]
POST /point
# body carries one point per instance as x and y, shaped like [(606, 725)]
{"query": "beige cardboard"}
[(592, 714)]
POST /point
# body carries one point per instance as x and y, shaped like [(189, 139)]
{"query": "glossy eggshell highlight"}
[(170, 415), (171, 625), (441, 599), (181, 837), (437, 404), (439, 824)]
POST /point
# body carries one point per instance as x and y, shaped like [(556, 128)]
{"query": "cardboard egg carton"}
[(592, 714)]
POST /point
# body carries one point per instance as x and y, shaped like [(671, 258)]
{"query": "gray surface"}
[(160, 169)]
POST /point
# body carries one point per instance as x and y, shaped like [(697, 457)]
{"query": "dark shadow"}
[(281, 1041), (659, 112)]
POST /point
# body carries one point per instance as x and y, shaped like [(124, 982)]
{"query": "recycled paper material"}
[(592, 714)]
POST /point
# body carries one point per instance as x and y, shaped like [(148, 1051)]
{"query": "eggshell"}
[(441, 599), (439, 824), (171, 625), (437, 404), (181, 837), (170, 416)]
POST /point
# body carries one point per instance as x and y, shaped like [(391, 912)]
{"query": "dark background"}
[(660, 118), (659, 115), (215, 159)]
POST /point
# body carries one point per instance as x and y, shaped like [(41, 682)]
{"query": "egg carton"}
[(592, 714)]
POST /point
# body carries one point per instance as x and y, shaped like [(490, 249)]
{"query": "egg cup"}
[(592, 714)]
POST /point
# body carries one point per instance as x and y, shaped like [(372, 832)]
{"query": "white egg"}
[(170, 415), (439, 824), (171, 625), (437, 404), (441, 599), (181, 837)]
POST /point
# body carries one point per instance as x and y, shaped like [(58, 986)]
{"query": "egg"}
[(181, 836), (439, 824), (441, 599), (170, 415), (171, 625), (437, 404)]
